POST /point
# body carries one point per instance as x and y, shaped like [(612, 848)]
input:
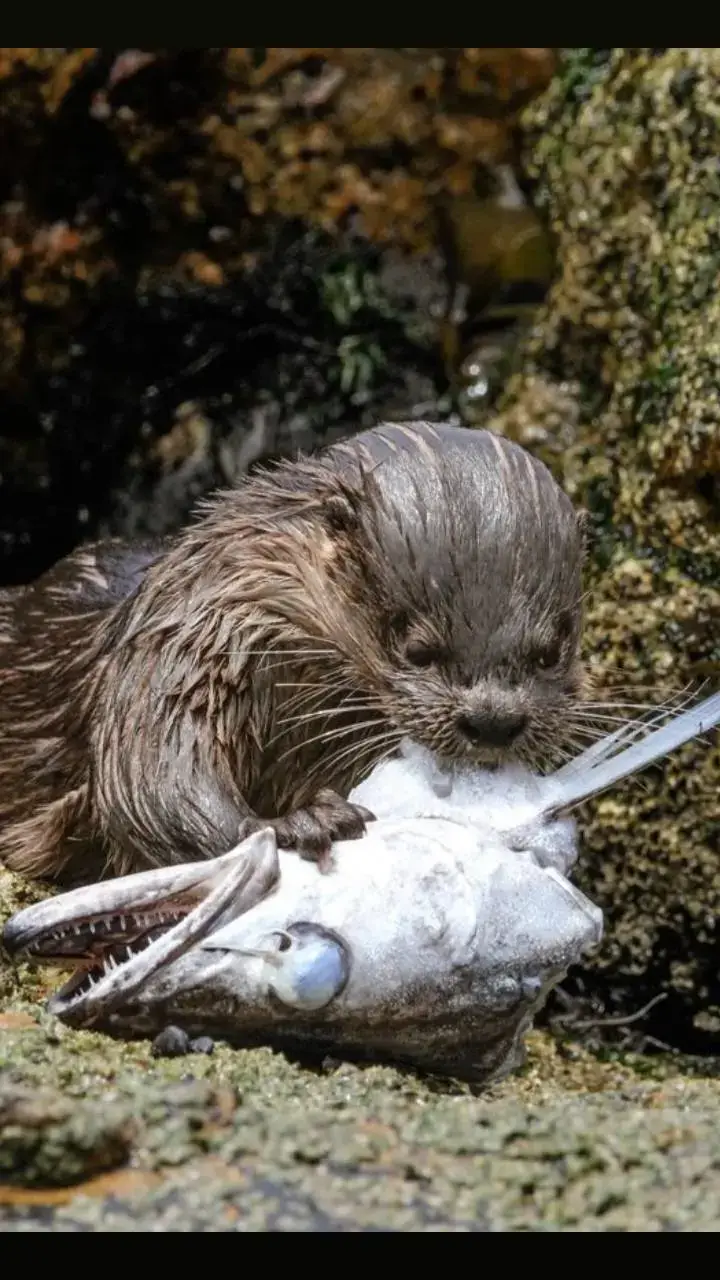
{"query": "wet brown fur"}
[(155, 698)]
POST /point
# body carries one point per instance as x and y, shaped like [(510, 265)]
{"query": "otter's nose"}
[(492, 730)]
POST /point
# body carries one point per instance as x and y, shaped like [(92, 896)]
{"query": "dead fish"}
[(432, 943)]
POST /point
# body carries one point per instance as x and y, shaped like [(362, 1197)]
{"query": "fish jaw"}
[(120, 934), (452, 945)]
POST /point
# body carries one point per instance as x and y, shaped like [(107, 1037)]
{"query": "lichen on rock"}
[(618, 388)]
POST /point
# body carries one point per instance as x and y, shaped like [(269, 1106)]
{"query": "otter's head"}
[(458, 560)]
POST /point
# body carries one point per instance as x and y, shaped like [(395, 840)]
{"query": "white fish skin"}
[(433, 941), (430, 943)]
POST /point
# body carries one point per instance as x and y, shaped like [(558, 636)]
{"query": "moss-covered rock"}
[(50, 1139), (618, 388), (99, 1135)]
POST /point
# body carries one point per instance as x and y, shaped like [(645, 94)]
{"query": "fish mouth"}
[(118, 935)]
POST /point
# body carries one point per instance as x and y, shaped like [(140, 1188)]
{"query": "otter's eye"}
[(548, 658), (424, 655)]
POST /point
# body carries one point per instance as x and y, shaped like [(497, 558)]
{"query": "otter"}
[(160, 700)]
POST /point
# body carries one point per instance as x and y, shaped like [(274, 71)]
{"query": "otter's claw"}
[(312, 831)]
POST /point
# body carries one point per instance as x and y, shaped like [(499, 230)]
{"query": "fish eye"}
[(314, 970)]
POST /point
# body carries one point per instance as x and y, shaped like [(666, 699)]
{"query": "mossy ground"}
[(100, 1135)]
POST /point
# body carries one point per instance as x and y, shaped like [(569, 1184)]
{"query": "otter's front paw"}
[(312, 831)]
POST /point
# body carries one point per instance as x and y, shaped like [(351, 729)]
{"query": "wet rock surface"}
[(247, 1141), (101, 1135), (49, 1139)]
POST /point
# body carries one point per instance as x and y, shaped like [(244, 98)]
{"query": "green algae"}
[(250, 1141), (618, 391)]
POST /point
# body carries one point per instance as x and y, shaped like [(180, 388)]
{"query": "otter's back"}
[(47, 652)]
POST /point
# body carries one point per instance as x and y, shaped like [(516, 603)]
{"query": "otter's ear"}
[(340, 508)]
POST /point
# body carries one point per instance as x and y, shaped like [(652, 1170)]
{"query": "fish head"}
[(118, 935), (431, 943)]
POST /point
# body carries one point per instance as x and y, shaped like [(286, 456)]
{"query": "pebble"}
[(172, 1042)]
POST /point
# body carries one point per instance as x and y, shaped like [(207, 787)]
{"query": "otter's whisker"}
[(310, 701), (282, 652), (637, 715), (354, 761), (326, 722), (386, 731), (364, 748), (673, 696), (602, 720), (653, 715), (320, 714), (300, 684), (278, 659), (365, 704), (337, 685), (314, 705), (591, 708), (337, 680), (329, 736)]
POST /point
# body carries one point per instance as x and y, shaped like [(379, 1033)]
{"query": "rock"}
[(618, 391), (203, 1044), (172, 1042), (47, 1139), (200, 255), (564, 1146)]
